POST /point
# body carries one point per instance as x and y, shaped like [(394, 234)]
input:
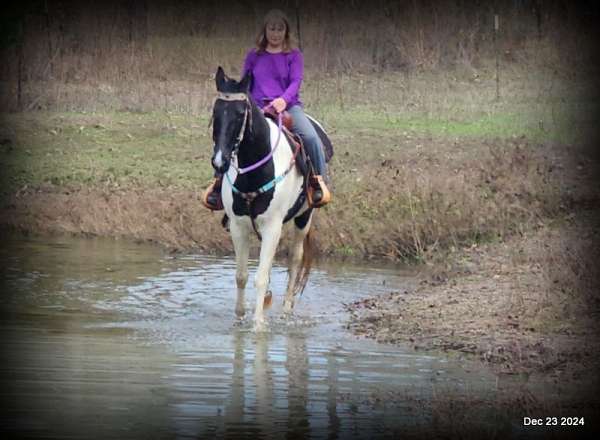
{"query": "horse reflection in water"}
[(258, 404), (262, 189)]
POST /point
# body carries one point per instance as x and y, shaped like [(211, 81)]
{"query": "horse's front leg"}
[(270, 240), (241, 245)]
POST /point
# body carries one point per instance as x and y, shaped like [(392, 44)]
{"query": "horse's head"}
[(231, 114)]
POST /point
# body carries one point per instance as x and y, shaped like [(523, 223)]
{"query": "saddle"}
[(303, 163)]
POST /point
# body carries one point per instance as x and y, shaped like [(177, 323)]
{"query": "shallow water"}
[(105, 339)]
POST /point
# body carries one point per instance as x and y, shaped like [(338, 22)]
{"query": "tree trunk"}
[(20, 56), (49, 38)]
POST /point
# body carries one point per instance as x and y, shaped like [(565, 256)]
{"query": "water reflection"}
[(268, 393), (279, 385), (264, 405), (234, 406), (297, 367)]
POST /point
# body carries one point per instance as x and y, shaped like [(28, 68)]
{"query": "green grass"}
[(536, 122), (369, 119), (118, 149), (539, 104)]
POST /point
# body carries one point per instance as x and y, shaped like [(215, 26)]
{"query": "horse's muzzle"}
[(219, 163)]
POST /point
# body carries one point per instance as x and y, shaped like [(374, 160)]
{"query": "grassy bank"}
[(421, 163)]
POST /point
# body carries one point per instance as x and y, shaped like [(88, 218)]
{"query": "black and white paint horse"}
[(262, 189)]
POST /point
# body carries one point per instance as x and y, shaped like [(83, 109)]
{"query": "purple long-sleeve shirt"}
[(275, 75)]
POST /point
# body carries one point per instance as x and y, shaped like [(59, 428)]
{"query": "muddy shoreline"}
[(525, 307)]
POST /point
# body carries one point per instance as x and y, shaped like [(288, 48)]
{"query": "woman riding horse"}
[(277, 69), (263, 189)]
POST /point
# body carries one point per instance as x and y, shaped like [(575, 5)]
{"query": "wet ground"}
[(106, 339)]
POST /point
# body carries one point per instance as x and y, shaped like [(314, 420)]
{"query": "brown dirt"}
[(525, 306), (175, 219)]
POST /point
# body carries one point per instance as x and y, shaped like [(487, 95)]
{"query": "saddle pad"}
[(301, 159), (328, 147)]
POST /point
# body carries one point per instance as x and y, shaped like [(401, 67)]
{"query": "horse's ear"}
[(220, 78), (246, 82)]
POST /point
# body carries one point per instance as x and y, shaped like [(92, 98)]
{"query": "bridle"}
[(224, 96)]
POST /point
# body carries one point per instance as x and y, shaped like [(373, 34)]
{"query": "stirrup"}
[(317, 182), (212, 188)]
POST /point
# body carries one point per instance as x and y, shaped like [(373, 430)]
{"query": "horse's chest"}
[(254, 208)]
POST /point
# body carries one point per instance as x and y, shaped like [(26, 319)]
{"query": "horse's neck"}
[(256, 143)]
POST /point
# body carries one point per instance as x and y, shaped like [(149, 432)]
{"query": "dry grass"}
[(570, 264), (527, 308), (162, 56), (426, 158), (172, 218), (410, 207)]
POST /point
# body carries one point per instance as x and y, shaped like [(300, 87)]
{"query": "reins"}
[(267, 186), (250, 196), (248, 116), (265, 159)]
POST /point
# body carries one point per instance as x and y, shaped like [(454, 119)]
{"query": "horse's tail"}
[(306, 264)]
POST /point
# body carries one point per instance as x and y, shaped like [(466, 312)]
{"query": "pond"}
[(107, 338)]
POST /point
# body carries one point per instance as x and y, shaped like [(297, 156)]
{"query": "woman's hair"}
[(274, 16)]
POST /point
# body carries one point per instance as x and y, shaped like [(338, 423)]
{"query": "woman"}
[(277, 68)]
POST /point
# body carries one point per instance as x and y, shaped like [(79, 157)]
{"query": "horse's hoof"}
[(260, 326), (268, 301), (287, 307)]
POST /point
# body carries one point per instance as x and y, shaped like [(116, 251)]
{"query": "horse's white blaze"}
[(218, 159)]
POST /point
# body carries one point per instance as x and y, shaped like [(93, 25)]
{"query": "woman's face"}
[(275, 32)]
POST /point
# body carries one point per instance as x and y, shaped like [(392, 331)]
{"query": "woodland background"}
[(149, 55)]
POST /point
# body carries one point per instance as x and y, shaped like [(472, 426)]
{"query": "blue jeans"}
[(310, 138)]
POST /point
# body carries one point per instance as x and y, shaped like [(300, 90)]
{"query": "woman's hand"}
[(279, 104)]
